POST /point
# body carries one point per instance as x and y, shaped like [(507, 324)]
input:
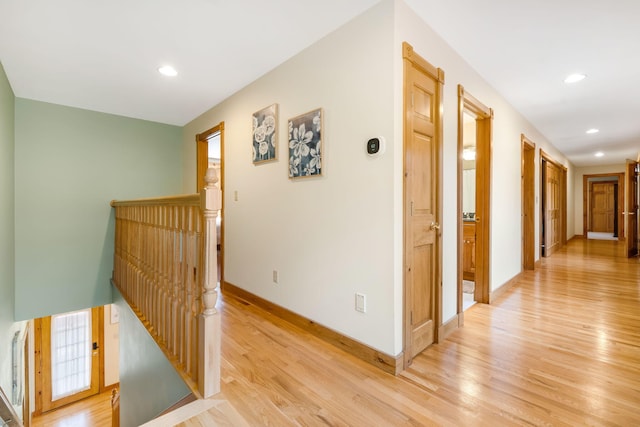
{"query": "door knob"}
[(435, 226)]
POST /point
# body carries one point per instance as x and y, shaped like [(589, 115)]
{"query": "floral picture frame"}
[(305, 144), (265, 135)]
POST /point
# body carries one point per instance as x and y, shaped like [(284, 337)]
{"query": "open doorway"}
[(474, 201), (603, 206), (468, 211), (210, 154)]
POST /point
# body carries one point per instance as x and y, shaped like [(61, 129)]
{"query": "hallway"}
[(560, 348)]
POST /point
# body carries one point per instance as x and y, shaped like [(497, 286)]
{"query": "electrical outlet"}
[(235, 195), (361, 303), (275, 276)]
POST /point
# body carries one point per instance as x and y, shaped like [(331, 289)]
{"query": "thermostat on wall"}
[(375, 146)]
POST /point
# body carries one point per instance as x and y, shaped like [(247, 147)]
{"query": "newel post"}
[(209, 319)]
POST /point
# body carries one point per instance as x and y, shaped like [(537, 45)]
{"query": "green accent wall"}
[(69, 164), (8, 327), (148, 382)]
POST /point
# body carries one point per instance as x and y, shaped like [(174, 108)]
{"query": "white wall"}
[(328, 237), (508, 124), (333, 236), (578, 190)]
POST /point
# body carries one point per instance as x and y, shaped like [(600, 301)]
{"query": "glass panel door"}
[(71, 348)]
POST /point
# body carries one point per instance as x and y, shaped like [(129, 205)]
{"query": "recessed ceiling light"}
[(168, 70), (574, 78), (590, 131), (599, 154)]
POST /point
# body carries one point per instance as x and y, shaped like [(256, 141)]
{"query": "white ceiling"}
[(525, 49), (103, 56)]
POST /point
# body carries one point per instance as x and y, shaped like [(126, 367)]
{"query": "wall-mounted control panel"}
[(376, 146)]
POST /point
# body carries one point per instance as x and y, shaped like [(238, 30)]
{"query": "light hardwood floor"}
[(94, 411), (561, 348)]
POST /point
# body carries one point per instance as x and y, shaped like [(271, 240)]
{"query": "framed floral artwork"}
[(265, 134), (305, 145)]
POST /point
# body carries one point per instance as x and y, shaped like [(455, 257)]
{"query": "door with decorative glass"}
[(67, 358)]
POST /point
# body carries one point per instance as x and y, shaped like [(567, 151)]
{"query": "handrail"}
[(180, 200), (165, 266)]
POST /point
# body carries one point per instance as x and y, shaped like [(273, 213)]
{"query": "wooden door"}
[(602, 204), (528, 204), (632, 213), (551, 208), (67, 358), (421, 180)]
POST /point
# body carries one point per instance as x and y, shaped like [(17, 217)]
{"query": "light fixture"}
[(574, 78), (168, 70), (599, 154), (469, 153), (592, 131)]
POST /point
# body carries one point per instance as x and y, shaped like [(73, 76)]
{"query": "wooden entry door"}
[(602, 205), (422, 127), (632, 221), (67, 358)]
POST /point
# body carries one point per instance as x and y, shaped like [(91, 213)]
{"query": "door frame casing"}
[(484, 135), (620, 207), (202, 163), (528, 154), (437, 74)]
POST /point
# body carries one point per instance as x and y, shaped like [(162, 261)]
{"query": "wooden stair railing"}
[(165, 266)]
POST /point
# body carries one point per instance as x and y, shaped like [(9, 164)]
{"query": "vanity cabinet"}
[(469, 250)]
